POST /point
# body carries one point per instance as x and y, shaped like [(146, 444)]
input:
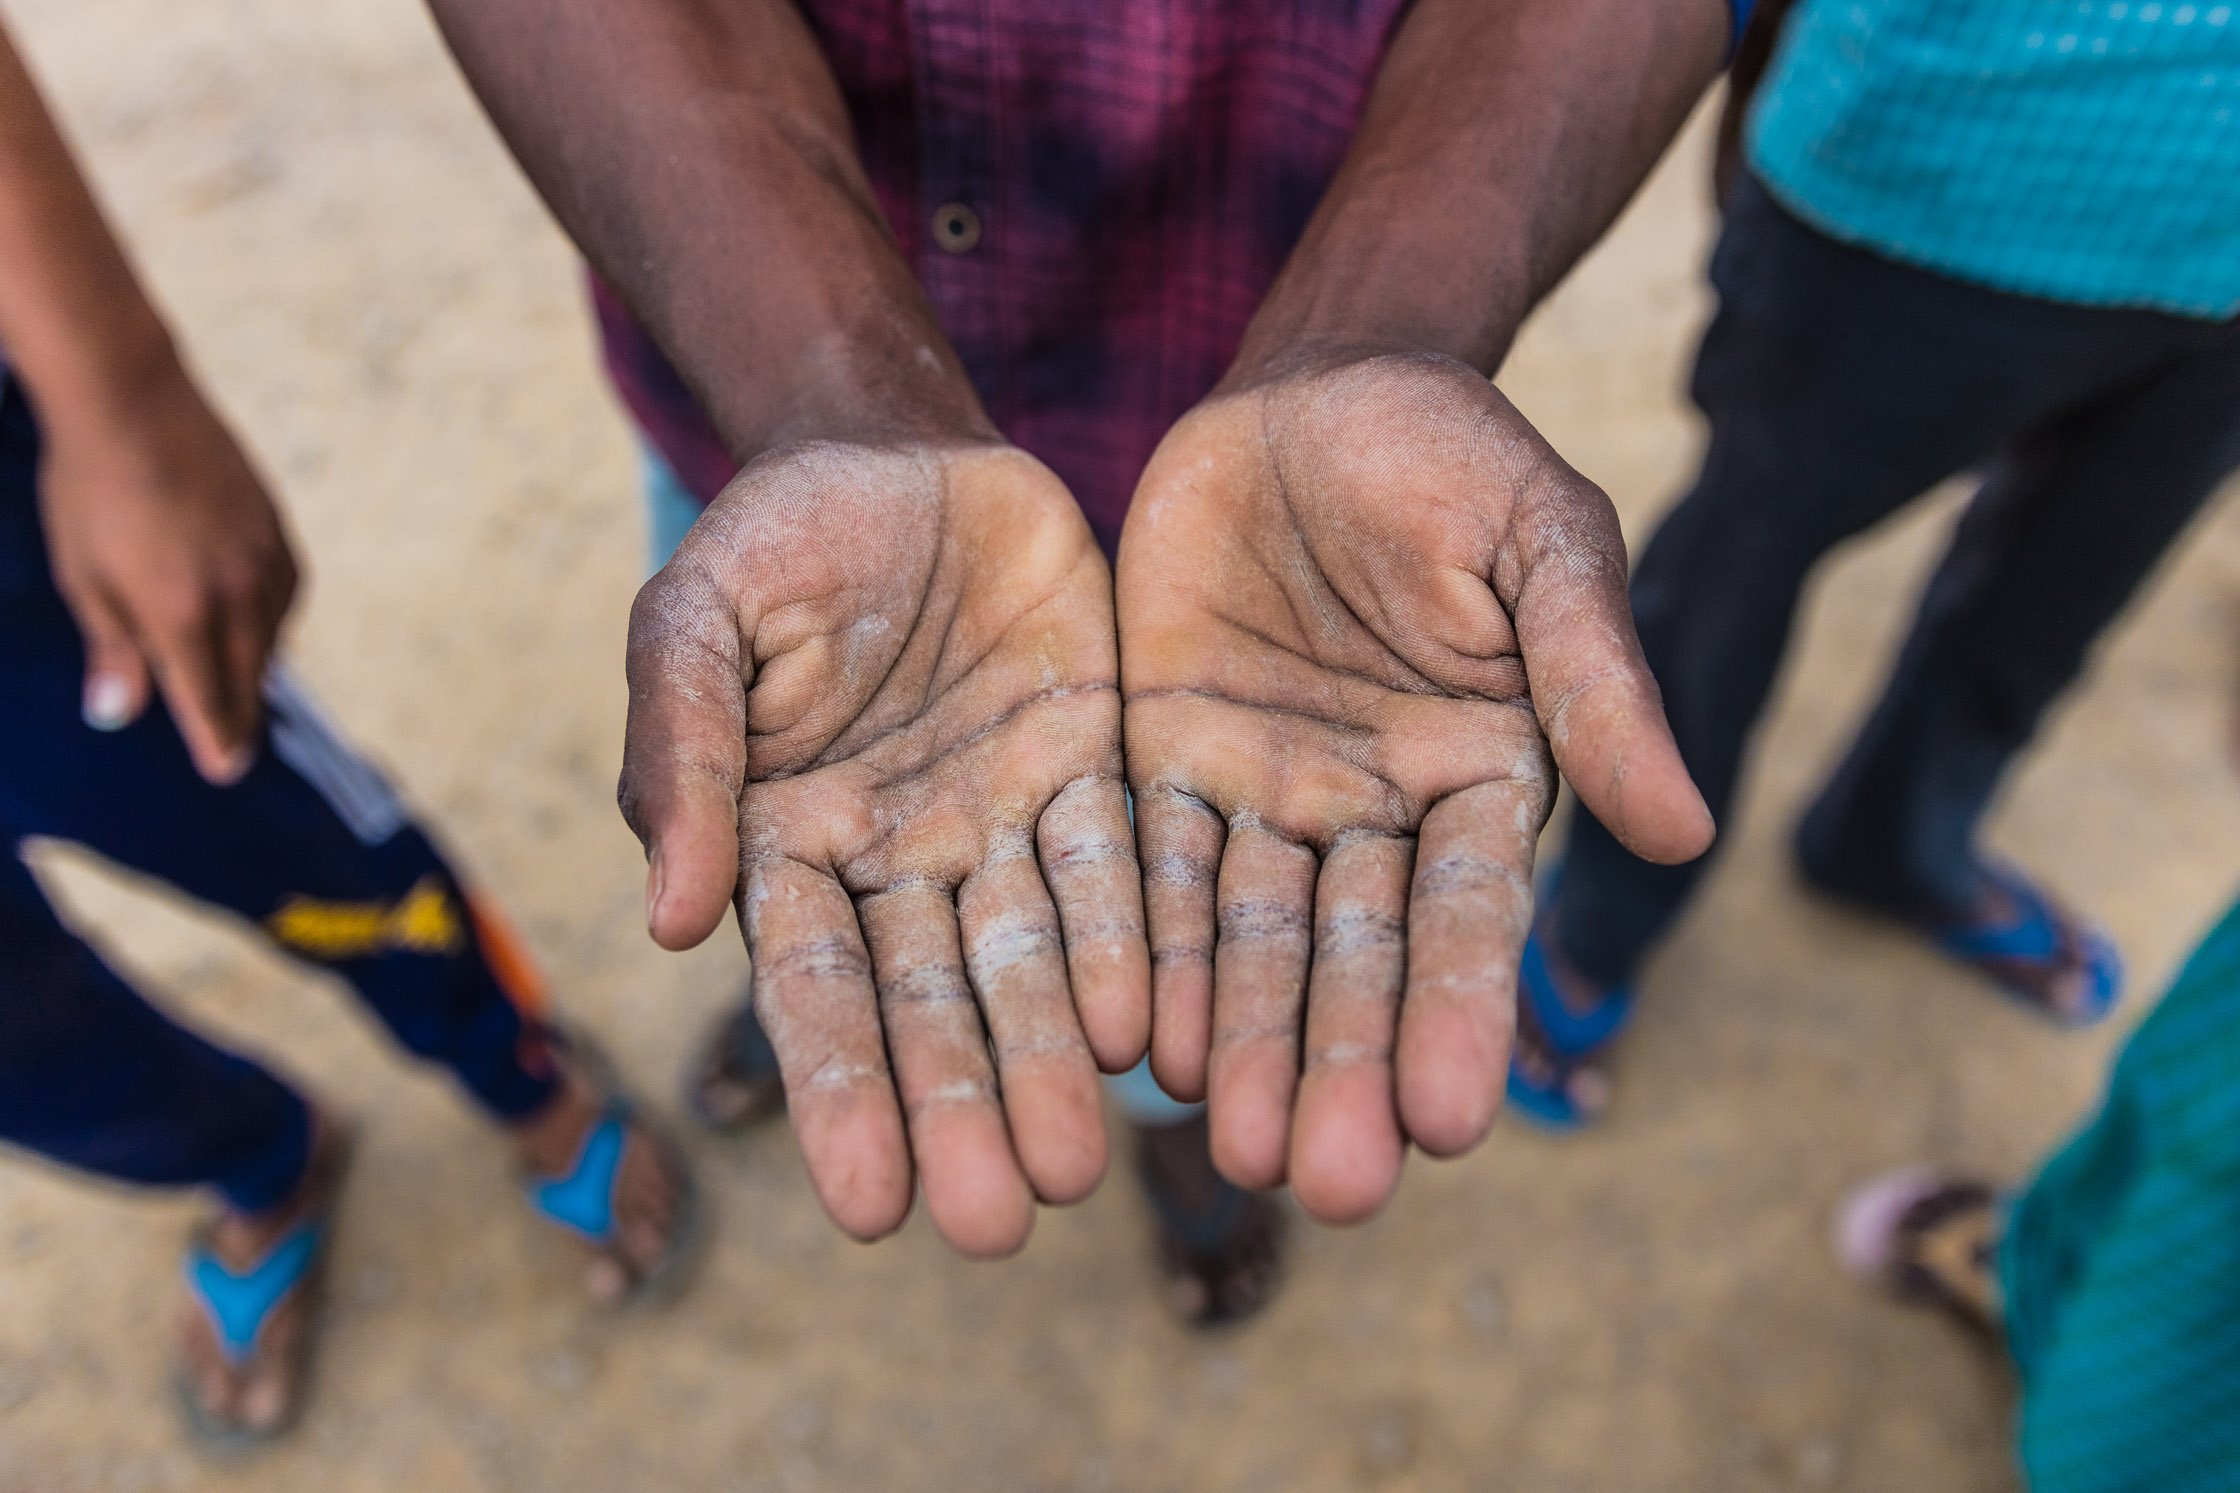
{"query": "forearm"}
[(699, 154), (74, 323), (1498, 143)]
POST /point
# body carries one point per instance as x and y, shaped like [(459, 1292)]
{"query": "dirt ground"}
[(393, 321)]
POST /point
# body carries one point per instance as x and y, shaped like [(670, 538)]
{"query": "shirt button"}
[(956, 228)]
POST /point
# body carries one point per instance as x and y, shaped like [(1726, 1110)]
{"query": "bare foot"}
[(262, 1394), (650, 1189)]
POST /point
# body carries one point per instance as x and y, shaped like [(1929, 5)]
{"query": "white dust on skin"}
[(1027, 1017), (1349, 1054), (815, 1038), (1350, 926)]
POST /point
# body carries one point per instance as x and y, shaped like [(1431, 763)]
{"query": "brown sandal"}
[(1928, 1237)]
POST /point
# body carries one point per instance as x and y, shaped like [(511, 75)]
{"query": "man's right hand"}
[(874, 703)]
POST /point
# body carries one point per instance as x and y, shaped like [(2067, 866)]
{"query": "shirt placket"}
[(953, 57)]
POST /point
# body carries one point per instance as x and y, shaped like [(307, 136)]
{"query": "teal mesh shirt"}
[(2079, 150)]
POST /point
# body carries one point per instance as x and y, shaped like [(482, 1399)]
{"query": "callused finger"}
[(1346, 1145), (1182, 839), (1017, 961), (1266, 898), (1467, 914), (1089, 861), (974, 1190), (813, 994)]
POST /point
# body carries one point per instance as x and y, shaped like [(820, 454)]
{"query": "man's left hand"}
[(1365, 612)]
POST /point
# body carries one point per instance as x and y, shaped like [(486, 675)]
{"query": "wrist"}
[(1367, 281), (109, 385), (870, 391)]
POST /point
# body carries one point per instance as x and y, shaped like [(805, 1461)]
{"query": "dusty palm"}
[(881, 686), (1358, 607)]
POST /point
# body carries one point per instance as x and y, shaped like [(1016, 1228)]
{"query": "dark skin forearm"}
[(160, 536), (1499, 142), (1366, 612), (699, 154), (72, 317)]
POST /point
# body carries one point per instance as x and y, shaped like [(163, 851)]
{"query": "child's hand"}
[(174, 563)]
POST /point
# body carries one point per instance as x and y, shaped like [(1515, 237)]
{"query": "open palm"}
[(873, 697), (1365, 611)]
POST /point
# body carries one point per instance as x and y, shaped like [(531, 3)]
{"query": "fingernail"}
[(108, 703), (653, 886)]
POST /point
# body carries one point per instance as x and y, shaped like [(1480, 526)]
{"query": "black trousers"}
[(1840, 385)]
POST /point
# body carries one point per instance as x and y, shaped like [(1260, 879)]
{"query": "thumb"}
[(1591, 687), (116, 684), (684, 752)]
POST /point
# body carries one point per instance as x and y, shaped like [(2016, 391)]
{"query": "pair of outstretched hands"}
[(1362, 613), (1264, 802)]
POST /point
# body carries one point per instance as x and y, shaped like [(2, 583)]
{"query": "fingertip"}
[(1117, 1044), (1057, 1129), (1115, 1010), (1346, 1149), (1178, 1062), (1663, 815), (232, 765), (858, 1160), (979, 1200), (1449, 1094), (685, 894), (1249, 1120)]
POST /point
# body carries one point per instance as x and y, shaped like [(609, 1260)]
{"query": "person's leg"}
[(2121, 1261), (1838, 386), (313, 848), (2114, 1276), (93, 1078), (2054, 545)]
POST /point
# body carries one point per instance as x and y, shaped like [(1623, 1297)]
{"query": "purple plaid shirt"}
[(1095, 195)]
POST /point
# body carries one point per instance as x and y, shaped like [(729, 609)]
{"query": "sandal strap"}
[(2033, 933), (2038, 934), (238, 1305), (1566, 1033), (583, 1199)]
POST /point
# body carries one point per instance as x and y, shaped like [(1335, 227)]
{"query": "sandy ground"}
[(387, 312)]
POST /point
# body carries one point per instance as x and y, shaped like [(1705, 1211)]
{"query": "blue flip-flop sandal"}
[(2039, 934), (1568, 1038), (239, 1306), (582, 1200)]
